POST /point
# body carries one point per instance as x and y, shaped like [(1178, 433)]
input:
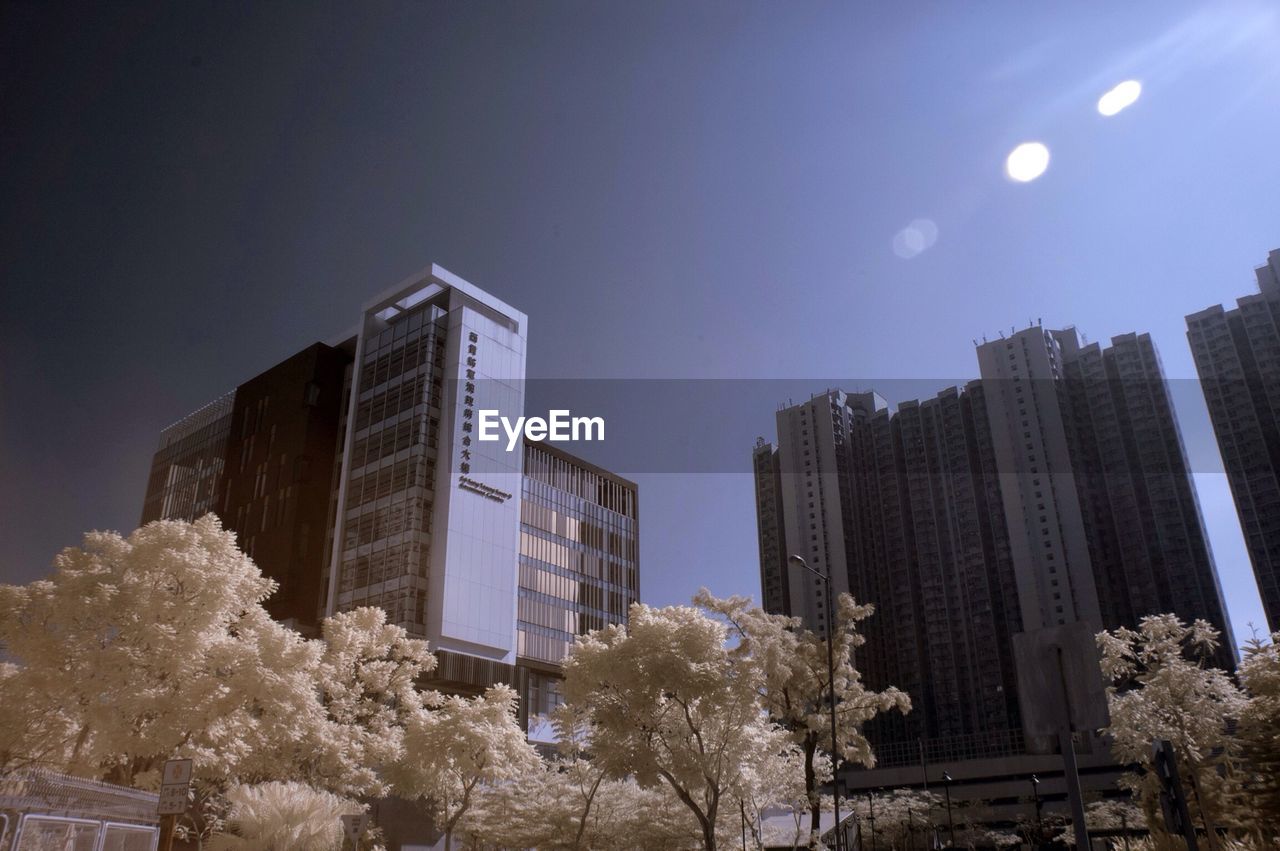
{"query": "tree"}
[(903, 817), (455, 745), (1161, 688), (29, 737), (795, 686), (544, 808), (671, 704), (155, 646), (280, 816), (1258, 740), (367, 684), (1112, 815)]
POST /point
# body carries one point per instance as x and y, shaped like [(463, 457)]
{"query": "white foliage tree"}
[(144, 648), (1115, 815), (157, 646), (795, 686), (367, 681), (1162, 688), (455, 746), (546, 808), (670, 704), (283, 816), (902, 817), (1257, 799)]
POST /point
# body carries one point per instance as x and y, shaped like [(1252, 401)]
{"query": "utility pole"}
[(831, 686), (1071, 772)]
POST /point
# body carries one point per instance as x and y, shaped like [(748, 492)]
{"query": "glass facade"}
[(579, 552), (390, 469), (187, 470)]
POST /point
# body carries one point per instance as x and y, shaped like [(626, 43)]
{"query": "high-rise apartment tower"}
[(1237, 354)]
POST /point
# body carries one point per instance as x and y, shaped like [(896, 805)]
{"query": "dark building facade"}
[(261, 458), (1143, 523), (774, 590), (915, 502), (280, 462), (1054, 489), (1237, 355)]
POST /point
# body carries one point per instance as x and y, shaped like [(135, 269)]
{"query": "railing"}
[(41, 809), (993, 745), (51, 792)]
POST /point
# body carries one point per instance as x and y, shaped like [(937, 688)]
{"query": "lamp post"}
[(946, 787), (1035, 793), (831, 685)]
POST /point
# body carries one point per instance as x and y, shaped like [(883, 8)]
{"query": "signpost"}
[(1061, 691), (354, 827), (175, 786)]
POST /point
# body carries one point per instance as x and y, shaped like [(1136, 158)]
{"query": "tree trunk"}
[(709, 828), (811, 789), (709, 835), (586, 812), (81, 738)]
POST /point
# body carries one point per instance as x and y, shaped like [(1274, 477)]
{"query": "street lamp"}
[(1035, 793), (831, 684), (946, 787)]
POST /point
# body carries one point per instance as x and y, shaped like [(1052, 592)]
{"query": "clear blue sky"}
[(193, 191)]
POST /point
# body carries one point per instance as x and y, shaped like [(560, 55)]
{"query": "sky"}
[(691, 190)]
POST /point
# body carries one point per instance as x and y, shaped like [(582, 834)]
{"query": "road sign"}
[(355, 826), (175, 783), (173, 800), (1058, 670), (176, 771)]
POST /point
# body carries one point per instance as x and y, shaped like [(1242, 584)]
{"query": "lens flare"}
[(915, 238), (1027, 162), (1119, 97)]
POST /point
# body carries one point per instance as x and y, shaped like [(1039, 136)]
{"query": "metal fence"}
[(46, 811), (951, 749)]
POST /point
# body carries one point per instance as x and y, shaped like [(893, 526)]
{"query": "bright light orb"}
[(1120, 97), (915, 238), (1027, 162)]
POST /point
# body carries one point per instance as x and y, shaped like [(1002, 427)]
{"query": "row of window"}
[(402, 559), (542, 466)]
